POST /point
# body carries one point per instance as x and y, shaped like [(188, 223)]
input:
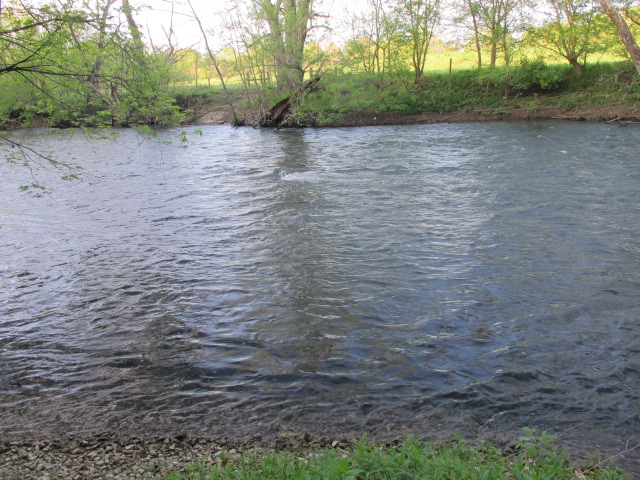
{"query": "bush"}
[(444, 100), (406, 102), (536, 76)]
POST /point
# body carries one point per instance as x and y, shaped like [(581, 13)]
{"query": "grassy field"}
[(439, 63)]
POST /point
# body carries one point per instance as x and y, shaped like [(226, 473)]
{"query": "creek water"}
[(432, 279)]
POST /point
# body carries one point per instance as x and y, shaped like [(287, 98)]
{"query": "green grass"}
[(536, 459), (488, 89), (529, 85)]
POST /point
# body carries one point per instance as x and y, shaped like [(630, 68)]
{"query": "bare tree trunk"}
[(578, 67), (476, 31), (623, 30), (133, 27), (477, 38), (289, 24), (100, 44), (504, 37), (418, 74)]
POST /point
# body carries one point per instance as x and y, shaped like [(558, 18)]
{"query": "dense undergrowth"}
[(533, 83), (533, 459)]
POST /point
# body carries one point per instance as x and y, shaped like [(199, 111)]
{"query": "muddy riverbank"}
[(216, 114)]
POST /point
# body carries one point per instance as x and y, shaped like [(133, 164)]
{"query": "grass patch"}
[(535, 459)]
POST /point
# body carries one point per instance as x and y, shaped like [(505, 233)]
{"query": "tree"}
[(469, 9), (31, 44), (382, 30), (216, 64), (79, 66), (70, 64), (418, 19), (187, 63), (289, 23), (632, 14), (102, 27), (136, 35), (569, 31), (374, 32), (624, 31), (31, 33), (94, 52), (494, 22), (473, 11)]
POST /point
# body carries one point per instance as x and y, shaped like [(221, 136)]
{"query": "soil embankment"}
[(213, 114)]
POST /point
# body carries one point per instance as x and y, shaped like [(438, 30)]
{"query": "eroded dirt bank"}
[(620, 113)]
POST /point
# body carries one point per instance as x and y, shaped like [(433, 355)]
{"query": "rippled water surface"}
[(431, 279)]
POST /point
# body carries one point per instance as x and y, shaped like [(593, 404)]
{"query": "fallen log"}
[(277, 116)]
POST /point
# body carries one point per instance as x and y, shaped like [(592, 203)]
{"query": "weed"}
[(491, 91), (411, 459)]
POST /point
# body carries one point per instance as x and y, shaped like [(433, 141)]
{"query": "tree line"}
[(87, 62), (80, 63), (390, 34)]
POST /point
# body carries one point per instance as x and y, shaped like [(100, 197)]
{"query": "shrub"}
[(536, 76)]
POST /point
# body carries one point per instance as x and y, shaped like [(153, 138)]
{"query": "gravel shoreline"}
[(104, 456), (110, 456)]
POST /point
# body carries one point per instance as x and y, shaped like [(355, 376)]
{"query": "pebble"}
[(109, 456), (100, 457)]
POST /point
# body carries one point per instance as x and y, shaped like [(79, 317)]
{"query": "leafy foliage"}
[(536, 76), (530, 85), (66, 65), (573, 30), (73, 64)]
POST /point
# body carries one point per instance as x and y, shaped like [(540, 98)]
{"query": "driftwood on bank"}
[(277, 116)]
